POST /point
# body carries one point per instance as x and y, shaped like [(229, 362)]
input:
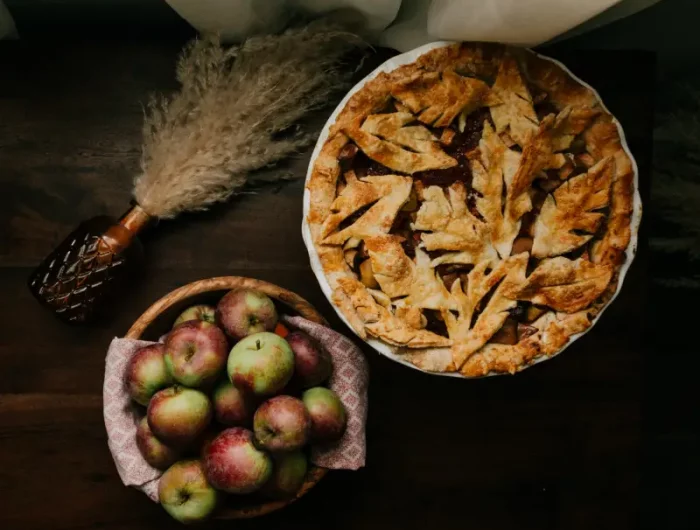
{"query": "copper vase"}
[(77, 278)]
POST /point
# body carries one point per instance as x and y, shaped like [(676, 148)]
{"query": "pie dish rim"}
[(385, 348)]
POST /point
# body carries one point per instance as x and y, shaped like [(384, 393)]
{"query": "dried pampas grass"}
[(235, 113)]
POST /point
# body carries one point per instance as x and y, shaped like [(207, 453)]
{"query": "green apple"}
[(179, 415), (185, 494), (261, 364)]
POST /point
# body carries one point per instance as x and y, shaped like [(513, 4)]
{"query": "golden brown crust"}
[(553, 333), (571, 209), (603, 140), (444, 84), (514, 111), (468, 338), (385, 139), (378, 219), (563, 284), (437, 98)]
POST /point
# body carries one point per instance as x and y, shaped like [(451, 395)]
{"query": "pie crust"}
[(472, 209)]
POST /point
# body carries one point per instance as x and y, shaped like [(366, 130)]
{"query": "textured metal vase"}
[(77, 278)]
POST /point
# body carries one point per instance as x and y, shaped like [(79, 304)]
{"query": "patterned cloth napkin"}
[(349, 381)]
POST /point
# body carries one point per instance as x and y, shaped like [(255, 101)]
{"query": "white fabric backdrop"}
[(405, 24), (409, 23)]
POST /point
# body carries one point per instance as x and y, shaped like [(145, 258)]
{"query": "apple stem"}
[(183, 496)]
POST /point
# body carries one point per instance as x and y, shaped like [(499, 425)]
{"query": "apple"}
[(327, 414), (203, 312), (184, 492), (195, 353), (234, 464), (155, 452), (282, 424), (244, 312), (312, 363), (179, 415), (261, 364), (146, 373), (231, 405), (288, 475)]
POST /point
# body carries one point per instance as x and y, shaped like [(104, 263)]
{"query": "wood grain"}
[(556, 447)]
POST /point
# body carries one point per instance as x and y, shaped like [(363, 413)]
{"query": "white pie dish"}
[(384, 348)]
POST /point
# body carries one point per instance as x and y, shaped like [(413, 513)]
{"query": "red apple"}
[(203, 312), (261, 364), (327, 414), (244, 312), (282, 424), (288, 475), (155, 452), (195, 353), (185, 494), (312, 363), (231, 405), (146, 373), (179, 415), (233, 464)]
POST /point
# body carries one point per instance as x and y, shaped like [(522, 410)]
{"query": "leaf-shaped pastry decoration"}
[(381, 323), (554, 134), (572, 121), (515, 113), (572, 207), (452, 226), (536, 157), (437, 98), (563, 284), (392, 268), (413, 316), (539, 154), (495, 169), (398, 332), (383, 137), (427, 289), (379, 218), (552, 332), (358, 193), (466, 338), (398, 275)]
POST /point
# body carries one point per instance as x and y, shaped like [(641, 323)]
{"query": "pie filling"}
[(471, 213)]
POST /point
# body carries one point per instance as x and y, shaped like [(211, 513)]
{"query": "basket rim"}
[(222, 283)]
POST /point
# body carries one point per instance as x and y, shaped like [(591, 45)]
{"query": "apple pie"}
[(472, 209)]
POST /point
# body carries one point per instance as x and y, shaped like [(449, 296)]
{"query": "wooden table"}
[(554, 447)]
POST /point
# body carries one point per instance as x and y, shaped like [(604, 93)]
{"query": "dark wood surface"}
[(557, 446)]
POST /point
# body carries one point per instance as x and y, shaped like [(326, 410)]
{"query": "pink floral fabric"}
[(349, 380)]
